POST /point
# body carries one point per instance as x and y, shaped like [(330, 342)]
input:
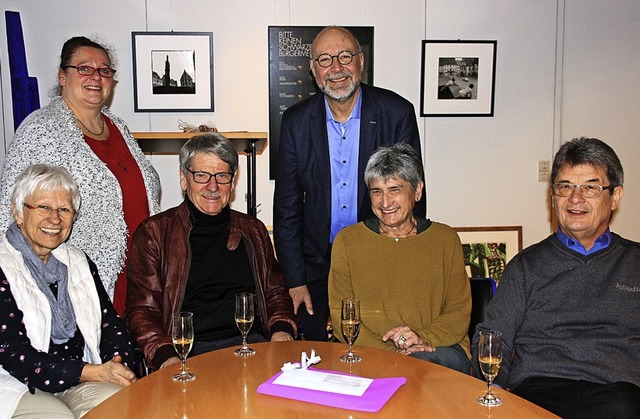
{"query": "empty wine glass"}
[(244, 321), (490, 358), (350, 327), (182, 337)]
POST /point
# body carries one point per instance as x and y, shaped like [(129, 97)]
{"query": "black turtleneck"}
[(215, 276)]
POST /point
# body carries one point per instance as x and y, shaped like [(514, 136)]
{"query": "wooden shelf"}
[(171, 142)]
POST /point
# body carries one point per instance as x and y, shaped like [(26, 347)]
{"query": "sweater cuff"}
[(162, 354), (282, 326)]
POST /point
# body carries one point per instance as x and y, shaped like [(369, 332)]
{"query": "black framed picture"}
[(458, 78), (172, 71), (290, 78)]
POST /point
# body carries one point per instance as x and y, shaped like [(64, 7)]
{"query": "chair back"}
[(482, 289)]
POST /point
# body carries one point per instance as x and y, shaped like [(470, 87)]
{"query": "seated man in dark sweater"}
[(197, 256), (569, 307)]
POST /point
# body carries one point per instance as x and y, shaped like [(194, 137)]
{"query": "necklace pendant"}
[(397, 239)]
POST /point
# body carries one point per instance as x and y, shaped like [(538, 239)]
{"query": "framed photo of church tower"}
[(172, 71)]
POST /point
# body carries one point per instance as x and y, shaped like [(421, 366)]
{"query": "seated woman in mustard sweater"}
[(408, 272)]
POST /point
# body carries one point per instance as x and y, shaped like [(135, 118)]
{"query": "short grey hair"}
[(43, 177), (398, 161), (590, 151), (214, 143)]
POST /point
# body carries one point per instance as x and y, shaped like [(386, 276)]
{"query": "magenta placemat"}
[(376, 396)]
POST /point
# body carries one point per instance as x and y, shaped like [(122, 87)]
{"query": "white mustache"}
[(338, 75)]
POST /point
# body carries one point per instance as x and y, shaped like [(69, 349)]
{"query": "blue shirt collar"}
[(355, 112), (601, 242)]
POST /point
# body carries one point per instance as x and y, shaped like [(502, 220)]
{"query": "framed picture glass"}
[(458, 78), (172, 71), (487, 250)]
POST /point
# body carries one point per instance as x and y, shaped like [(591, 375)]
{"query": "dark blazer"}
[(302, 199)]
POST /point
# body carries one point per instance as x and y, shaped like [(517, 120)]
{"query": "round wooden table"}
[(225, 387)]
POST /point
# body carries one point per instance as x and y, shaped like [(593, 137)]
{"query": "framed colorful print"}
[(487, 250)]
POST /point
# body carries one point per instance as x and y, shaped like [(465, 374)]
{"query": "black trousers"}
[(582, 399)]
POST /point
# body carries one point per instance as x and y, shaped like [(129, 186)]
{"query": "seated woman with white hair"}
[(63, 348)]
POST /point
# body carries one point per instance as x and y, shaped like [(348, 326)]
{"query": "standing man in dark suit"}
[(325, 142)]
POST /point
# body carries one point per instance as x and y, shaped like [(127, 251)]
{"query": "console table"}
[(248, 143)]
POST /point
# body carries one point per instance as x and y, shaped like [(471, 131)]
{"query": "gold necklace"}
[(95, 134), (397, 237)]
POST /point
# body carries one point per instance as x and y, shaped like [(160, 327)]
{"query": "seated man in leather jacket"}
[(197, 256)]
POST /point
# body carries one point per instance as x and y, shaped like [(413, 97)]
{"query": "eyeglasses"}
[(222, 178), (46, 211), (589, 190), (344, 58), (85, 70)]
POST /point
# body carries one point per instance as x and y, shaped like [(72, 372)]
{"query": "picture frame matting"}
[(173, 71)]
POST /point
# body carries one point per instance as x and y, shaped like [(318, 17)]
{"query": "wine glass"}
[(350, 327), (244, 321), (490, 358), (182, 337)]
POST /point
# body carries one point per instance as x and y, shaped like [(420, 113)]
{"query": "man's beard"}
[(342, 94)]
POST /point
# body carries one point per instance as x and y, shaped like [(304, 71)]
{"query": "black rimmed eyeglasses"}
[(344, 57), (589, 190), (86, 70), (222, 178)]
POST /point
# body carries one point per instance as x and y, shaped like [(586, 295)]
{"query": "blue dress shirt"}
[(344, 142)]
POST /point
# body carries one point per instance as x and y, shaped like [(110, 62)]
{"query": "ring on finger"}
[(402, 339)]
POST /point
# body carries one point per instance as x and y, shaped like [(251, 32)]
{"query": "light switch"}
[(544, 170)]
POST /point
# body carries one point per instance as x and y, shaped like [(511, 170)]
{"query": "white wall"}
[(480, 171)]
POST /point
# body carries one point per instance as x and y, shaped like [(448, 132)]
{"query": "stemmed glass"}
[(182, 337), (490, 358), (244, 321), (350, 327)]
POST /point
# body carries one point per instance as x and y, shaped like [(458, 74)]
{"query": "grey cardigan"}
[(50, 135)]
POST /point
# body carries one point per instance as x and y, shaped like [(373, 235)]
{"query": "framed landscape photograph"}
[(458, 78), (172, 71), (487, 250)]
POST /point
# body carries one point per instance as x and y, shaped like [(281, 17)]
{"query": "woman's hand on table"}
[(112, 371), (281, 337), (416, 348), (402, 337)]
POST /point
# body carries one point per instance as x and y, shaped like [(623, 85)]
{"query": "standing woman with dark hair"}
[(77, 131)]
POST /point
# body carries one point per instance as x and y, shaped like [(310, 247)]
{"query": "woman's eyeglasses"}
[(85, 70)]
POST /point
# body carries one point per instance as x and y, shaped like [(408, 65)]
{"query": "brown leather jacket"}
[(159, 263)]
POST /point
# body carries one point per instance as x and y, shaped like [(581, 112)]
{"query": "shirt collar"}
[(601, 242), (355, 112)]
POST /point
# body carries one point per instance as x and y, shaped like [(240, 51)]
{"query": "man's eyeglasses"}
[(344, 58), (589, 190), (85, 70), (222, 178), (46, 211)]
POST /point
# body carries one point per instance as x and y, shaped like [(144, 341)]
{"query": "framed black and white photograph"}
[(458, 78), (172, 71)]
